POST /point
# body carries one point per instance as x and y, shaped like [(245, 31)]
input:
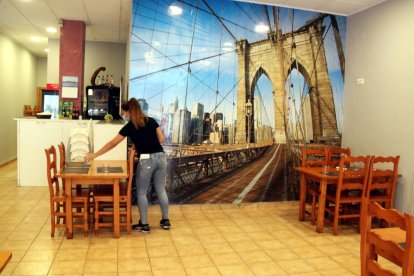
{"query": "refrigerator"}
[(102, 100), (50, 102)]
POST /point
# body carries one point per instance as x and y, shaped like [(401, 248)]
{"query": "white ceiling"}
[(108, 20)]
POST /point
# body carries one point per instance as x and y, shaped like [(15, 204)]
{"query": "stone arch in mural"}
[(276, 56), (259, 73)]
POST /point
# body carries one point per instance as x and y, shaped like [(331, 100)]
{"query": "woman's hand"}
[(89, 156)]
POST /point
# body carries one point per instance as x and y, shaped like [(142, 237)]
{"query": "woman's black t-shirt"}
[(144, 138)]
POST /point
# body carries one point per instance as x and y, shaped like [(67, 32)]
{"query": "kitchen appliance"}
[(50, 102), (102, 100)]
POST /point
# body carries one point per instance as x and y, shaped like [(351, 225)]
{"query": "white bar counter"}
[(35, 135)]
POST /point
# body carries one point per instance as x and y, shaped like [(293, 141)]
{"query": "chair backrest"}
[(131, 158), (334, 155), (353, 174), (51, 170), (383, 173), (62, 155), (373, 244), (312, 157)]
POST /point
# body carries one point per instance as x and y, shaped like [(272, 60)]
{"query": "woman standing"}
[(146, 135)]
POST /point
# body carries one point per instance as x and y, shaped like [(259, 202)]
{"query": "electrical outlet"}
[(360, 81)]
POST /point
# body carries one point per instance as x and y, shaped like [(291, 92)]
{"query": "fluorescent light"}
[(175, 10), (35, 38), (261, 28), (51, 30)]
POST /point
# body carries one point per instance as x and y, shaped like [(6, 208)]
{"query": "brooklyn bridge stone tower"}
[(276, 57)]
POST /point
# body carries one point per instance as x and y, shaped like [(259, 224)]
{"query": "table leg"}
[(302, 199), (68, 194), (321, 206), (116, 209)]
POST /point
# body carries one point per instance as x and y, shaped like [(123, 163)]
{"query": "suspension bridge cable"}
[(219, 19), (175, 66), (189, 60), (267, 17), (246, 13)]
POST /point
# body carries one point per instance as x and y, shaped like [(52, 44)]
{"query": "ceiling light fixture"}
[(51, 30), (35, 38), (261, 28), (175, 10)]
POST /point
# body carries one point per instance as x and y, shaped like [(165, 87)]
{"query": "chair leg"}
[(64, 211), (86, 218), (313, 211), (52, 222), (128, 218), (96, 212), (336, 219), (52, 219)]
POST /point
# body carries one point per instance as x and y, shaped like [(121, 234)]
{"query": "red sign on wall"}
[(52, 86)]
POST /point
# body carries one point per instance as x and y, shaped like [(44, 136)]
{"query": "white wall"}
[(110, 55), (53, 61), (97, 54), (378, 116), (18, 87), (41, 71)]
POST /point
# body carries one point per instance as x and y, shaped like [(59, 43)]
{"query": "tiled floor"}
[(250, 239)]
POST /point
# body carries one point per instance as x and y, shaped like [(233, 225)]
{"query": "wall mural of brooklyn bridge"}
[(237, 88)]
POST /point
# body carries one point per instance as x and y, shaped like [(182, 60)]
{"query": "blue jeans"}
[(154, 167)]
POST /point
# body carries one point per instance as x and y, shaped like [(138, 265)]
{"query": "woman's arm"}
[(160, 135), (107, 147)]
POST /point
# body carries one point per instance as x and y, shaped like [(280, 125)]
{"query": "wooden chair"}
[(58, 199), (5, 257), (312, 157), (382, 180), (382, 242), (345, 201), (334, 155), (103, 201), (62, 155)]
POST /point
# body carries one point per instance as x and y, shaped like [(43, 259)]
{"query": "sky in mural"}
[(185, 50)]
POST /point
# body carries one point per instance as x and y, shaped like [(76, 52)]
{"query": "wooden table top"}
[(331, 173), (93, 170)]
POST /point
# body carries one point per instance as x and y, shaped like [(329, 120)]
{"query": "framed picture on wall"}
[(70, 87)]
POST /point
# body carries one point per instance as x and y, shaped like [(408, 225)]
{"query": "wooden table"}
[(317, 174), (93, 177), (5, 258)]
